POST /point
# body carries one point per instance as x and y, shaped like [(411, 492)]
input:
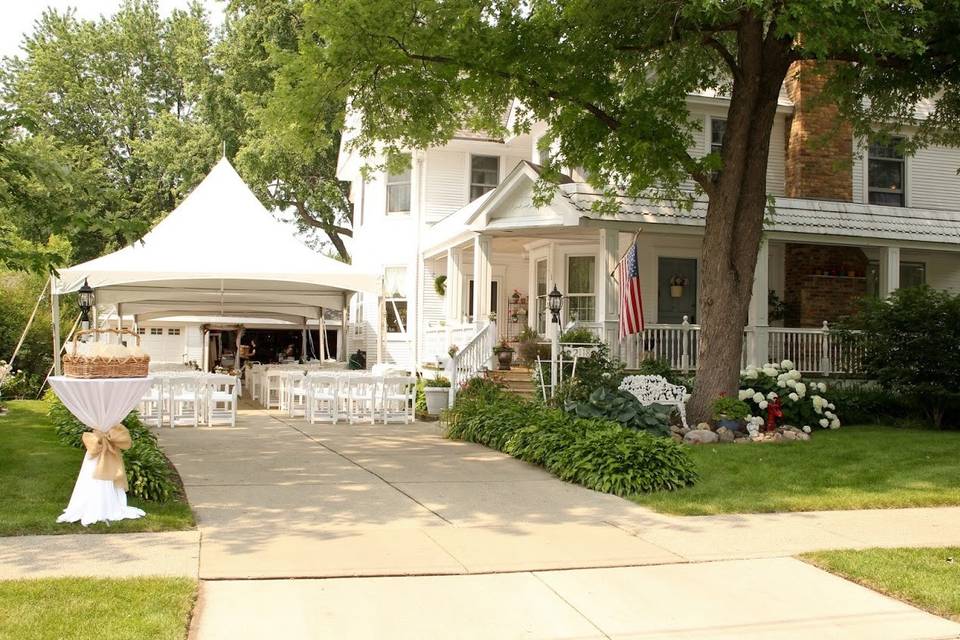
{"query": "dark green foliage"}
[(598, 371), (148, 471), (912, 347), (599, 454), (730, 408), (622, 407), (439, 381), (528, 346), (421, 402), (578, 336), (660, 367)]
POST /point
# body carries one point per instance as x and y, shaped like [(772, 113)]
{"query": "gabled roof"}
[(221, 251)]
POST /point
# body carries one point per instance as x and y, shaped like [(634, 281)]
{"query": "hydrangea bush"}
[(803, 404)]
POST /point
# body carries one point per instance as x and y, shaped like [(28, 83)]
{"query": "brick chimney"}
[(819, 155)]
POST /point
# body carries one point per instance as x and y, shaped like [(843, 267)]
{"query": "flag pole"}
[(624, 254)]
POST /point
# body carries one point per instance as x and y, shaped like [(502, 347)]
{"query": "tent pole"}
[(236, 357), (342, 348), (119, 322), (303, 341), (55, 319)]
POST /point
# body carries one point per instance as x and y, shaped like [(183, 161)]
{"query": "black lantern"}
[(86, 299), (555, 302)]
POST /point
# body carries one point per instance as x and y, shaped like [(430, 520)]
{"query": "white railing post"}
[(452, 377), (825, 349), (685, 344)]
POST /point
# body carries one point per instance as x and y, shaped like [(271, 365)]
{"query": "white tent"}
[(220, 253)]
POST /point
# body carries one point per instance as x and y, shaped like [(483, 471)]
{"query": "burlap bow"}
[(106, 448)]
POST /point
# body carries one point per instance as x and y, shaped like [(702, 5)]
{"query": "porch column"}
[(343, 344), (758, 346), (482, 274), (889, 271), (610, 308), (454, 283)]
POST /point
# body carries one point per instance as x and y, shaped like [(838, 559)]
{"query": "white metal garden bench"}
[(656, 390)]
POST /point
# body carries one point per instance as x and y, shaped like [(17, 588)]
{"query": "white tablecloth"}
[(99, 404)]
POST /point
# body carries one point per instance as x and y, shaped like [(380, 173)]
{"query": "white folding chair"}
[(398, 399), (361, 399), (323, 398), (185, 400), (221, 397), (255, 381), (271, 388), (295, 390), (152, 405)]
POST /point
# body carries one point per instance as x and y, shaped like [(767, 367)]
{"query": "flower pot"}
[(438, 399), (676, 291), (732, 425), (505, 359)]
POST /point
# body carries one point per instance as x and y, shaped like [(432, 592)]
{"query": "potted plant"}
[(436, 391), (504, 353), (677, 283), (730, 412), (453, 350)]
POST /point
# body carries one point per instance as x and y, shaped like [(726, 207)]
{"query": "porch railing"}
[(472, 358), (438, 339), (812, 350)]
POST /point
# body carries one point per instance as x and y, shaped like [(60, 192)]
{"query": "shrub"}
[(597, 453), (579, 336), (730, 409), (802, 404), (420, 406), (622, 407), (911, 344), (597, 371), (660, 367), (528, 346), (439, 381), (148, 472)]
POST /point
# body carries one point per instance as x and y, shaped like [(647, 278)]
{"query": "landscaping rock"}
[(743, 440), (700, 436), (789, 435), (675, 428), (704, 426), (725, 435), (803, 436)]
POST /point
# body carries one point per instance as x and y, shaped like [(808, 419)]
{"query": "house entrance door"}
[(676, 290)]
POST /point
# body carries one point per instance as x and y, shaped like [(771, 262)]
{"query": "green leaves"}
[(621, 407)]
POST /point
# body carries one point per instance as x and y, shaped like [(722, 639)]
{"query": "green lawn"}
[(928, 578), (37, 474), (106, 609), (859, 467)]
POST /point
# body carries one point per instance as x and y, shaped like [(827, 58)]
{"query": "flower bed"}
[(599, 454), (803, 405)]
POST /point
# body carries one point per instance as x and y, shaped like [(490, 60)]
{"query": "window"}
[(173, 332), (718, 127), (494, 293), (156, 331), (398, 192), (541, 274), (141, 331), (912, 274), (886, 173), (581, 288), (484, 175), (395, 298)]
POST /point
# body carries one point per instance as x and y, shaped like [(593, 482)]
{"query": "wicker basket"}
[(79, 366)]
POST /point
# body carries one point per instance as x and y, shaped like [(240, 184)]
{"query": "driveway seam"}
[(569, 604)]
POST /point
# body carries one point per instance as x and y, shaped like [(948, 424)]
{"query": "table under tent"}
[(221, 255)]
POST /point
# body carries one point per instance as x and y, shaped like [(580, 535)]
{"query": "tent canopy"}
[(220, 253)]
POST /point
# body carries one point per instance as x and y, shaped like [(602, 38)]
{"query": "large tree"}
[(610, 79)]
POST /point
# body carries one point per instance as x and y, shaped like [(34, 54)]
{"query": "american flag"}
[(631, 298)]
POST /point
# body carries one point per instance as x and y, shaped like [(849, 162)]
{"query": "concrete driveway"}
[(454, 540)]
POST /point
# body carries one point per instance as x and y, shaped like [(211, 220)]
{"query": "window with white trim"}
[(484, 175), (141, 331), (912, 274), (173, 332), (581, 288), (718, 127), (398, 192), (395, 298), (540, 270), (886, 173), (156, 331)]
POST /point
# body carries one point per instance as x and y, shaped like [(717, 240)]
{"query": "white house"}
[(465, 211)]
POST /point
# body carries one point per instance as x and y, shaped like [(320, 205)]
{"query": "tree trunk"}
[(734, 226)]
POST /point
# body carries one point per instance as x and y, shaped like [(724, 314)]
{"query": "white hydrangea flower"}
[(830, 414), (758, 397), (835, 423), (795, 374), (806, 428), (772, 396), (824, 423), (762, 404), (822, 387), (832, 407), (794, 397), (770, 371), (787, 364), (781, 383), (791, 383), (743, 394), (801, 390)]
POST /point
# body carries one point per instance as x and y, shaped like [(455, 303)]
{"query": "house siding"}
[(932, 180)]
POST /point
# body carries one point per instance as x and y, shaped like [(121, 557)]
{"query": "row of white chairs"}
[(191, 400), (352, 397)]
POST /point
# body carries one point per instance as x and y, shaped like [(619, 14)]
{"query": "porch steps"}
[(518, 380)]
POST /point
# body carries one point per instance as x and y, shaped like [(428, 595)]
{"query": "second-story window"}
[(395, 298), (718, 127), (886, 173), (398, 192), (484, 175)]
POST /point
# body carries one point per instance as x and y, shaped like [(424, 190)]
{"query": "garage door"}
[(163, 344)]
